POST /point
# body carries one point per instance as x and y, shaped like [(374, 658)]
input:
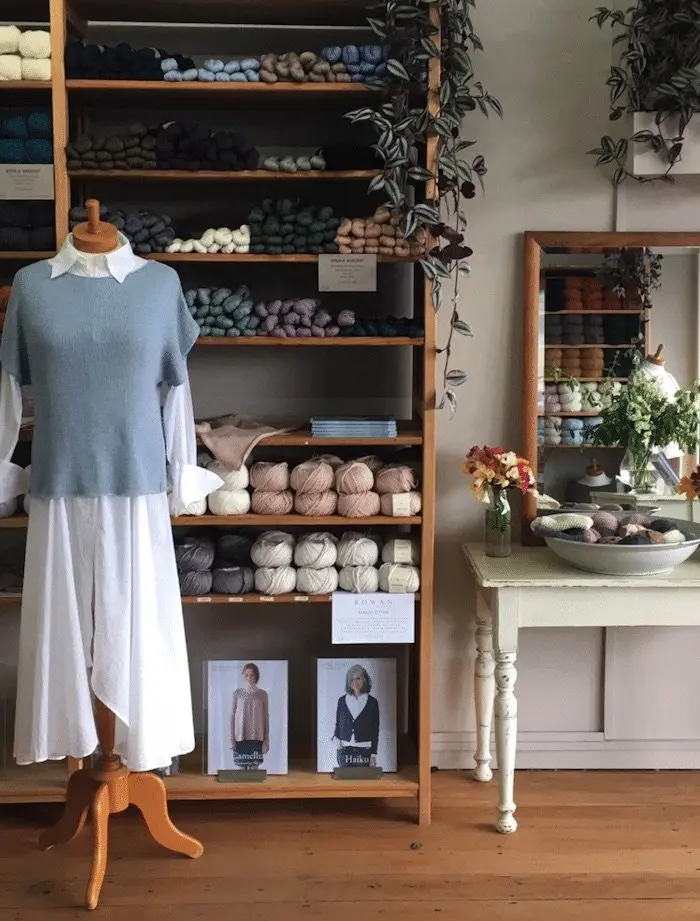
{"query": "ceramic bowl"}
[(614, 560)]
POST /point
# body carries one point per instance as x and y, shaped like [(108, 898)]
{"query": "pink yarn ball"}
[(331, 459), (269, 476), (353, 477), (373, 462), (316, 503), (312, 476), (394, 479), (359, 505), (268, 502), (415, 504)]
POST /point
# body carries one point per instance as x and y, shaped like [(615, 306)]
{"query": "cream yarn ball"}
[(233, 477), (9, 508), (398, 577), (401, 550), (9, 39), (361, 579), (317, 581), (35, 43), (353, 477), (357, 550), (278, 580), (196, 508), (312, 476), (390, 502), (316, 551), (229, 501), (273, 548)]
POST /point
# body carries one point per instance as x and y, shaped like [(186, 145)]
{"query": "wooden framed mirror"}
[(593, 304)]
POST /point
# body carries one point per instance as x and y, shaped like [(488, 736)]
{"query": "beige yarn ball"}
[(317, 581), (395, 478), (360, 505), (269, 476), (359, 579), (388, 505), (397, 577), (354, 477), (316, 503), (312, 476), (229, 502), (233, 477), (280, 580), (272, 503)]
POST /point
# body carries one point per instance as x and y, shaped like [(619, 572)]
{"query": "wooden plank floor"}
[(592, 847)]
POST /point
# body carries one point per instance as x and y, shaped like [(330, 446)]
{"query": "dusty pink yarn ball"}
[(353, 477), (268, 502), (359, 505), (394, 479), (316, 503), (312, 476), (269, 476)]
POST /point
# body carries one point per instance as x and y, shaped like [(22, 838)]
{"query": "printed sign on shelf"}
[(26, 181), (380, 617), (353, 272)]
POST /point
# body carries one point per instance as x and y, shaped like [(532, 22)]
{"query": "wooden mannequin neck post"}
[(95, 236)]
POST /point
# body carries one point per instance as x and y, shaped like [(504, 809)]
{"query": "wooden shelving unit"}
[(71, 98)]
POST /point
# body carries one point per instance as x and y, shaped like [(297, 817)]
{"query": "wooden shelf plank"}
[(583, 414), (579, 448), (308, 258), (588, 345), (18, 522), (206, 175), (8, 600), (320, 93), (34, 783), (337, 341), (21, 255), (593, 313), (25, 85), (585, 380)]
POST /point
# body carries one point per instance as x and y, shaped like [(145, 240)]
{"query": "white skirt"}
[(102, 616)]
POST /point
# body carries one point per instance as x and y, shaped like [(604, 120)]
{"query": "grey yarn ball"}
[(194, 554), (234, 549), (233, 580), (195, 583)]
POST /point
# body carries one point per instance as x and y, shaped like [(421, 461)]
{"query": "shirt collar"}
[(119, 263)]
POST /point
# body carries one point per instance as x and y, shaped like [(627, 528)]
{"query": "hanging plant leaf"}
[(468, 189), (451, 399), (396, 69), (455, 377), (462, 328), (455, 251)]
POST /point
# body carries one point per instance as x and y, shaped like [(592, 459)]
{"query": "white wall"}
[(548, 66)]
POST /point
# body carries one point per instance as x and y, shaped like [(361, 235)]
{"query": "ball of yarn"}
[(401, 550), (312, 476), (316, 551), (662, 525), (394, 478), (8, 508), (373, 462), (229, 501), (316, 503), (233, 580), (673, 537), (332, 459), (353, 477), (317, 581), (270, 476), (415, 503), (398, 577), (273, 548), (636, 518), (357, 550), (605, 521), (362, 579), (279, 580), (199, 507), (197, 582), (553, 523), (194, 553), (234, 549), (234, 478), (272, 503), (359, 505)]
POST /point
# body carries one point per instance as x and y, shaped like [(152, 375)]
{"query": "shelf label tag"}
[(203, 600), (352, 272), (374, 618), (401, 505), (235, 599), (26, 181)]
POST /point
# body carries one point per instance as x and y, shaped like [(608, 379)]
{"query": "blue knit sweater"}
[(95, 352)]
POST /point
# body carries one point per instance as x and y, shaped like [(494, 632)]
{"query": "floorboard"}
[(591, 845)]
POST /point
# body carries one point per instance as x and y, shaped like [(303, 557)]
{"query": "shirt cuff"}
[(189, 484), (14, 481)]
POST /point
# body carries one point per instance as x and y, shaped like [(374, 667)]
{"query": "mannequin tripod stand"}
[(110, 787)]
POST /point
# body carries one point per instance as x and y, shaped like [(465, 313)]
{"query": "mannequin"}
[(110, 787)]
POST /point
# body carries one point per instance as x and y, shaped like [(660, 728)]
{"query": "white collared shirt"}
[(119, 263)]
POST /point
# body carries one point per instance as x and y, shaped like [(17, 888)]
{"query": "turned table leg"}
[(506, 736), (484, 685)]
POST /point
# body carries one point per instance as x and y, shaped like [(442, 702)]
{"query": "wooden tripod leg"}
[(79, 796), (147, 792), (100, 826)]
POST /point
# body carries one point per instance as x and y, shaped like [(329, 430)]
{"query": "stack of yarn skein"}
[(284, 226), (379, 234), (25, 55), (26, 138), (213, 70), (147, 231), (361, 62), (273, 553), (271, 492), (27, 225)]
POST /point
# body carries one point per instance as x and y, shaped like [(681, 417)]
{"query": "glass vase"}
[(498, 523), (639, 473)]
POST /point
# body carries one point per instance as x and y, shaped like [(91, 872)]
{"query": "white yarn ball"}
[(35, 43), (362, 579), (357, 550), (196, 508), (397, 577), (273, 548), (229, 502), (397, 547), (36, 70), (233, 477), (316, 551), (277, 580), (9, 39), (10, 67), (9, 508), (317, 581), (673, 537)]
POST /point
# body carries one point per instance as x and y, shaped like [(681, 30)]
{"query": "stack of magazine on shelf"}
[(353, 427)]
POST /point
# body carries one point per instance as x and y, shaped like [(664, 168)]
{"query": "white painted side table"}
[(533, 588)]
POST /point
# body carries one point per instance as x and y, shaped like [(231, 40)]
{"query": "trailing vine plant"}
[(657, 73), (633, 275), (421, 35)]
